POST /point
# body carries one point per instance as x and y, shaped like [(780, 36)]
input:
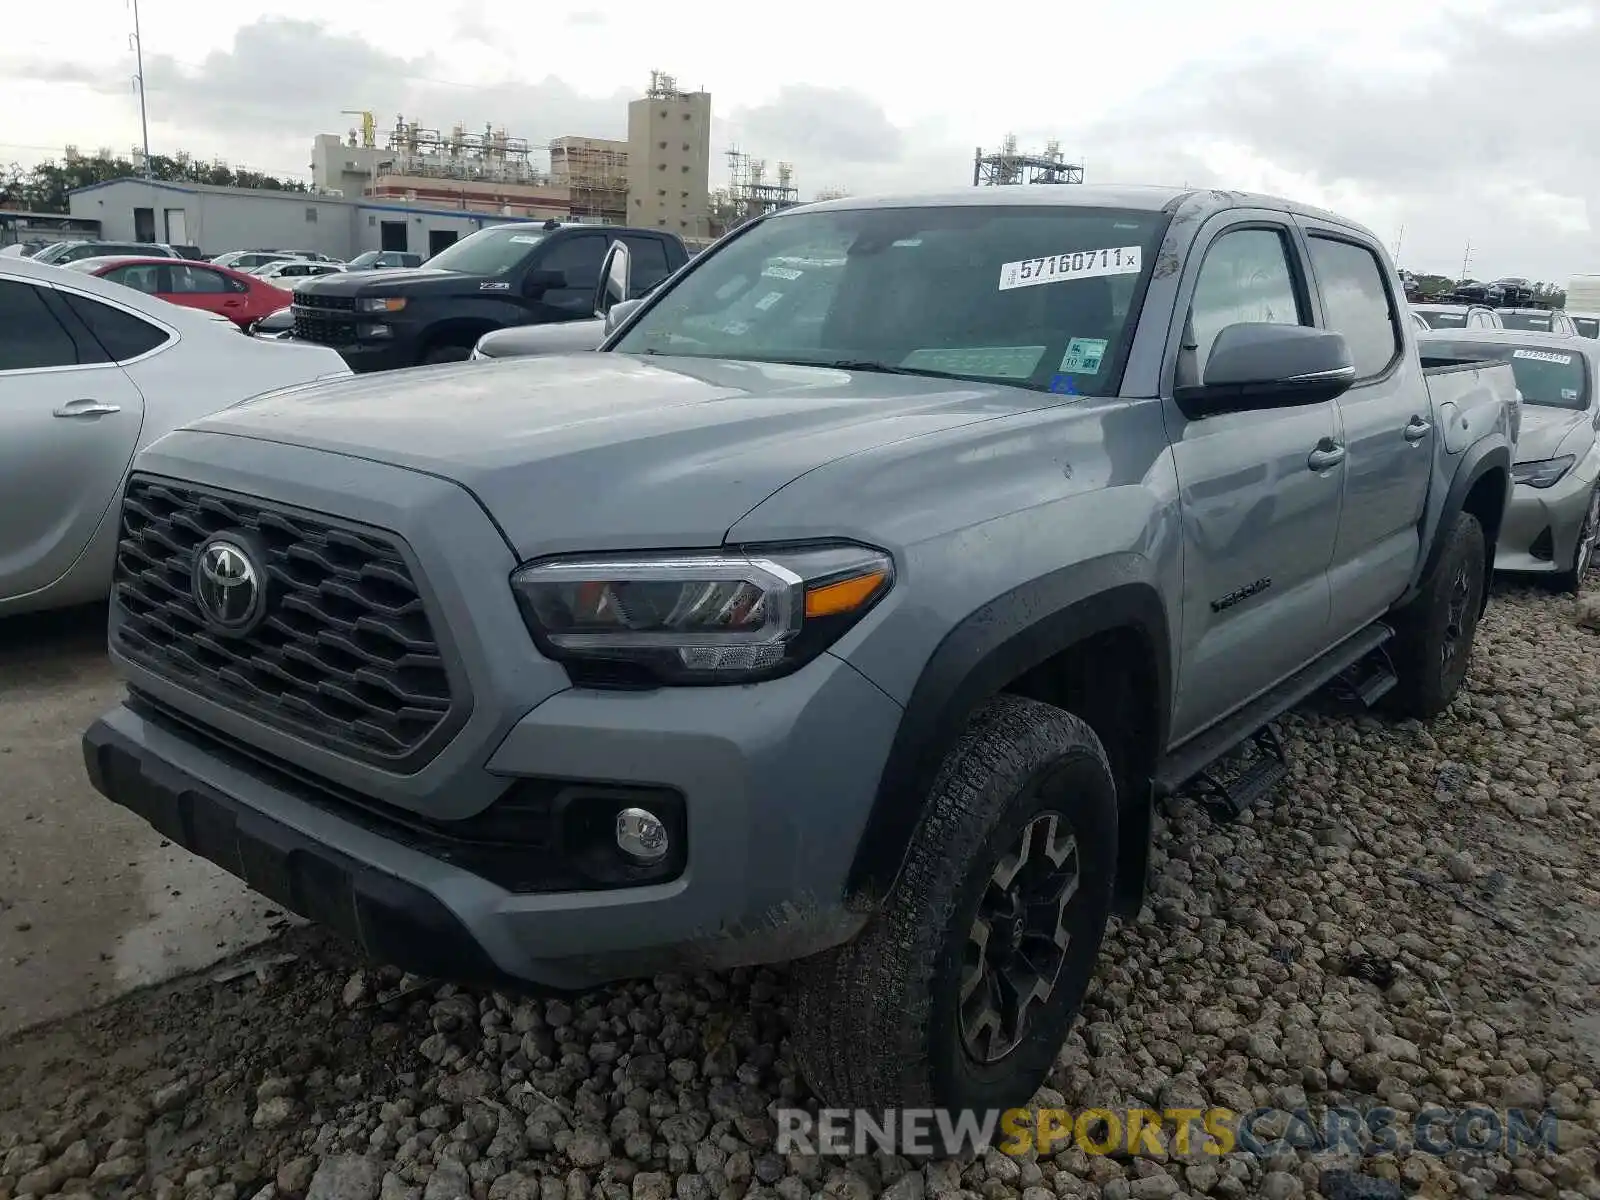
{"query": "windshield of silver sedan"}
[(1033, 295)]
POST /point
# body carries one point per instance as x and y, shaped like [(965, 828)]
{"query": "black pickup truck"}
[(512, 274)]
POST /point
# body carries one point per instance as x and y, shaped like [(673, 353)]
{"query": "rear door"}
[(1388, 429), (69, 421), (205, 288), (1259, 501)]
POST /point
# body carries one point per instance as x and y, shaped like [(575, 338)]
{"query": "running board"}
[(1193, 757)]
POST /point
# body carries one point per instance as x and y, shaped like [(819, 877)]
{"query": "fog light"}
[(641, 835)]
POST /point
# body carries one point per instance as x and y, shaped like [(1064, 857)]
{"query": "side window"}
[(1356, 302), (579, 257), (30, 335), (1245, 279), (649, 266), (197, 281), (122, 334), (141, 277)]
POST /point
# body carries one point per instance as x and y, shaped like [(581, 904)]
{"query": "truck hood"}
[(395, 281), (607, 451), (1544, 429)]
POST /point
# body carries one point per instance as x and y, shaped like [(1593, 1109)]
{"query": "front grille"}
[(310, 299), (345, 655), (313, 325)]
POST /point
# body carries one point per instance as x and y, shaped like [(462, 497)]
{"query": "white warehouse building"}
[(224, 218)]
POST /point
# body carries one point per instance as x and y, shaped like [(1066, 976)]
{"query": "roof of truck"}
[(1146, 197), (1518, 337)]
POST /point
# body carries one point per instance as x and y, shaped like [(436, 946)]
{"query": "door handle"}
[(1417, 429), (1327, 454), (86, 408)]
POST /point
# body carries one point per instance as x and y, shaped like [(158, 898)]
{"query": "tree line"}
[(44, 188)]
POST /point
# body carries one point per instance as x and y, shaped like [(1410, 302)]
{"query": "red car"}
[(239, 297)]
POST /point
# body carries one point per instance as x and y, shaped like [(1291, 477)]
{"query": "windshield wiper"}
[(867, 364)]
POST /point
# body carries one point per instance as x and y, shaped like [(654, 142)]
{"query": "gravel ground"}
[(1416, 922)]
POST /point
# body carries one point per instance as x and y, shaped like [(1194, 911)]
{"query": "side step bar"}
[(1191, 760)]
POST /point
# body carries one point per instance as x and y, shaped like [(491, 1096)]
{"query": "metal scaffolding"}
[(1010, 166)]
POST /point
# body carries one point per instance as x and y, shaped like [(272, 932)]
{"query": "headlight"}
[(1542, 474), (380, 304), (730, 617)]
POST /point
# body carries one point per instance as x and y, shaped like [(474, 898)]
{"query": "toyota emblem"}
[(229, 587)]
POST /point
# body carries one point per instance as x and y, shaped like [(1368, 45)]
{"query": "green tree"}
[(46, 186)]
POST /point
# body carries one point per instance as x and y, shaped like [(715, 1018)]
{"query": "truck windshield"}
[(489, 251), (1546, 376), (1538, 322), (1034, 295), (1453, 318)]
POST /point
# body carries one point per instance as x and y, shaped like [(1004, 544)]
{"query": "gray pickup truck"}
[(853, 605)]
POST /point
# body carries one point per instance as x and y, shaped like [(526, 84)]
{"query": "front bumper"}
[(771, 829), (1541, 528), (376, 355)]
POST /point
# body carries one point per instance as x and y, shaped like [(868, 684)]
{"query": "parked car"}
[(512, 274), (90, 372), (1553, 523), (241, 298), (287, 274), (865, 643), (245, 260), (1457, 316), (383, 260), (63, 253), (278, 326), (192, 253), (1538, 320)]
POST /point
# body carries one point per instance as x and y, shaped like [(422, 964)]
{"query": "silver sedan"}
[(90, 373), (1553, 524)]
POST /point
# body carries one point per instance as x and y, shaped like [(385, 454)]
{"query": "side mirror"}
[(620, 312), (614, 276), (1255, 365), (540, 280)]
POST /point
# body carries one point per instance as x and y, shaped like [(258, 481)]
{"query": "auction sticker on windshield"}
[(1083, 356), (1069, 265), (782, 273), (1548, 356)]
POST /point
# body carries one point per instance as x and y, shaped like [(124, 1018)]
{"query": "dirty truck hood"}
[(600, 451), (1545, 429)]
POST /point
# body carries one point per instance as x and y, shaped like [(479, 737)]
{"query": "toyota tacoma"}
[(852, 605)]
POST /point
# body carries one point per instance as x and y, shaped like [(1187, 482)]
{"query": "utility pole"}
[(144, 123), (1398, 242), (1466, 259)]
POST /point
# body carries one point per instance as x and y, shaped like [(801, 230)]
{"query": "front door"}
[(1388, 431), (68, 424), (1260, 514)]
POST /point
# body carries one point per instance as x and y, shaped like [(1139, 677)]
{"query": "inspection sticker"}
[(1083, 356), (782, 273), (1549, 356), (1569, 393), (1074, 264)]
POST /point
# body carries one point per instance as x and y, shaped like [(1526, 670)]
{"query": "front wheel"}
[(1571, 580), (1433, 639), (961, 990), (446, 354)]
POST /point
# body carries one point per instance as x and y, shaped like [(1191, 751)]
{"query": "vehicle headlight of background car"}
[(380, 304), (1544, 473), (702, 618)]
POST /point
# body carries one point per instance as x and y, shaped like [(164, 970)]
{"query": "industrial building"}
[(419, 188), (224, 218)]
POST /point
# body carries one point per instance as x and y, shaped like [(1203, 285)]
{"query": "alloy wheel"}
[(1455, 621), (1019, 938)]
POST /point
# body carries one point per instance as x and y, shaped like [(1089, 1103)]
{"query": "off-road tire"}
[(1427, 683), (446, 354), (1571, 580), (876, 1022)]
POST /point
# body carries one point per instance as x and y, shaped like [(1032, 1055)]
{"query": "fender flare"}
[(1476, 461), (990, 648)]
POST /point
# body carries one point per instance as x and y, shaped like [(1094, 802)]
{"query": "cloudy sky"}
[(1436, 125)]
